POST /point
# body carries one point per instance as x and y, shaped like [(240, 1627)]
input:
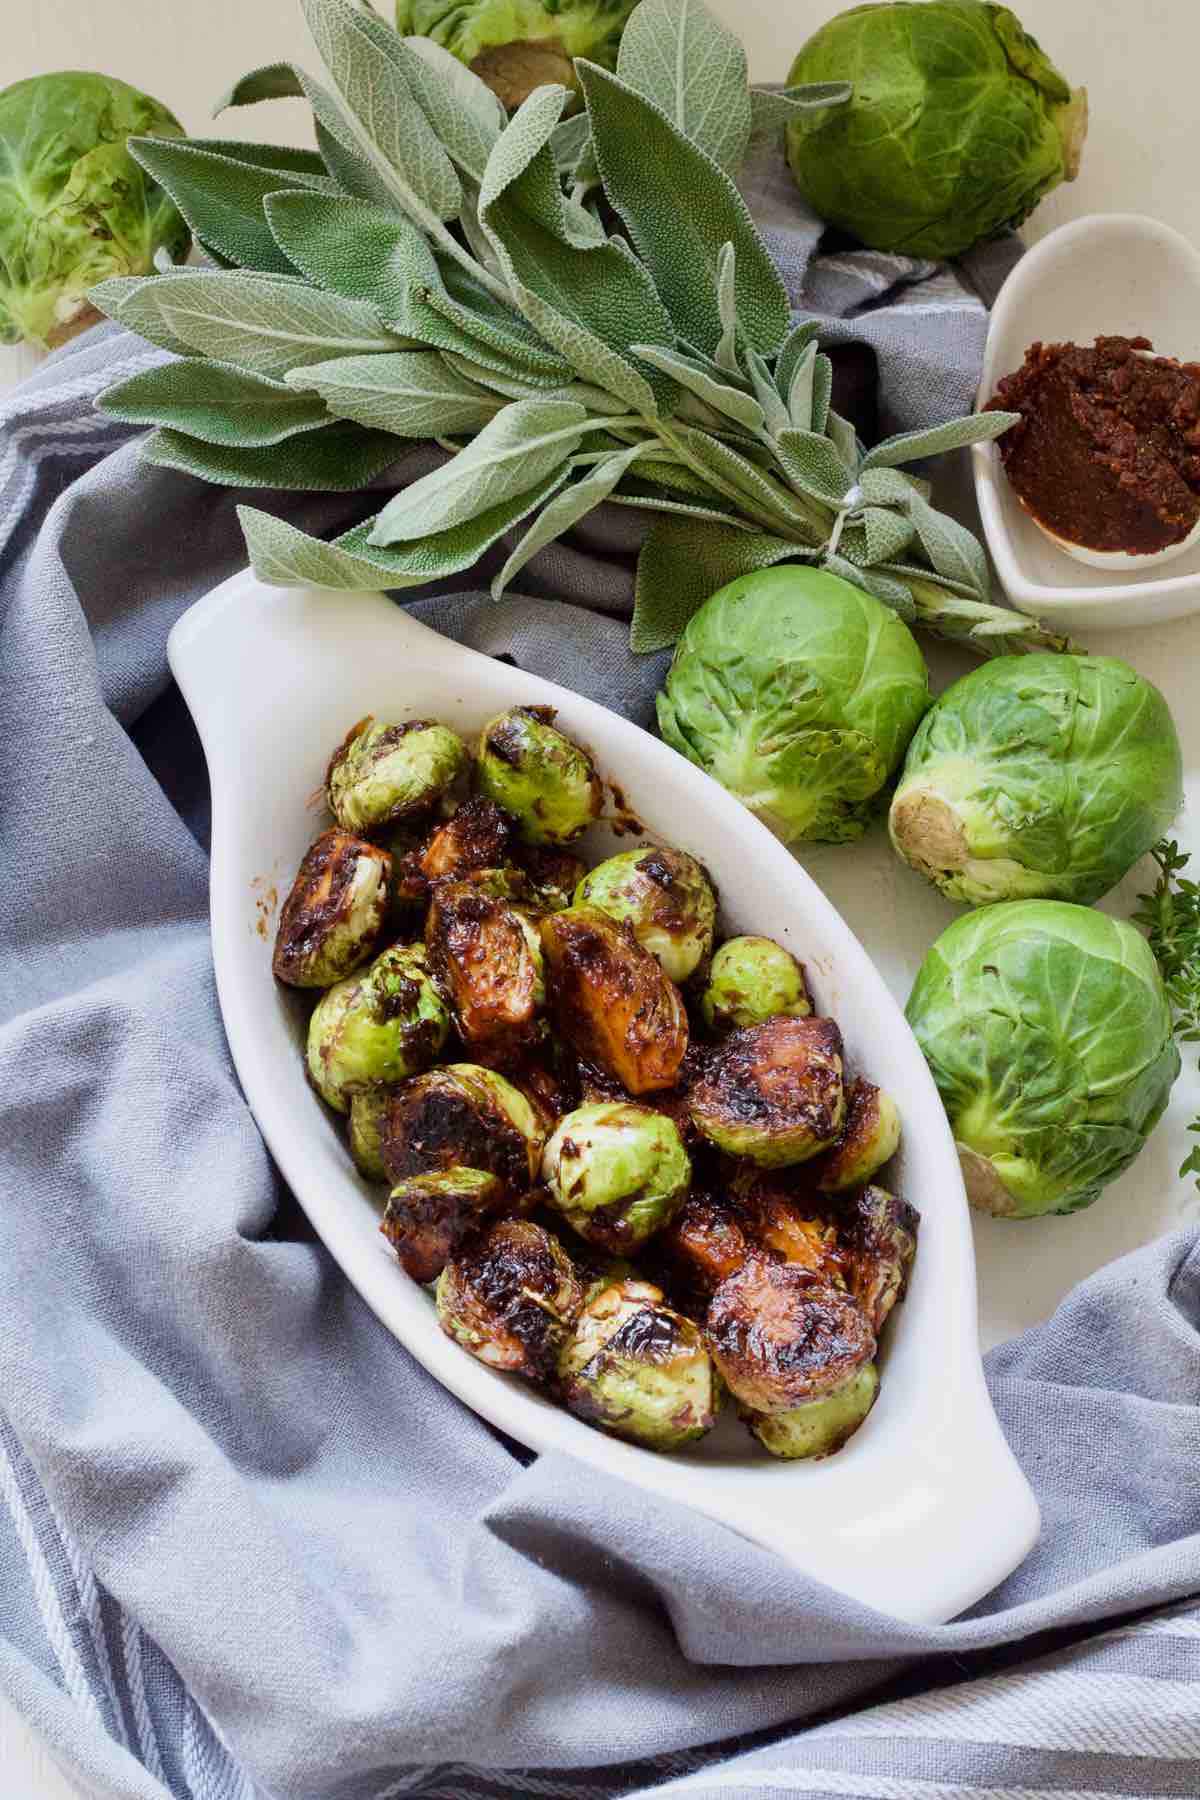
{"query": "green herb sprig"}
[(436, 270), (1170, 917)]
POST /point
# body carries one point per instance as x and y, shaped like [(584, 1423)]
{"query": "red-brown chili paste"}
[(1107, 452)]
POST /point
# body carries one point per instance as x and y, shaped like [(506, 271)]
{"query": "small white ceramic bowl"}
[(925, 1509), (1111, 274)]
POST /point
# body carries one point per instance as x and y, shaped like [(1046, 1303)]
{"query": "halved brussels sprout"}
[(612, 1001), (428, 1216), (487, 959), (703, 1244), (376, 1027), (820, 1426), (332, 918), (781, 1336), (477, 836), (367, 1111), (776, 1218), (382, 773), (462, 1116), (640, 1370), (511, 1298), (617, 1172), (538, 775), (870, 1138), (753, 979), (879, 1238), (665, 898), (553, 875), (773, 1092)]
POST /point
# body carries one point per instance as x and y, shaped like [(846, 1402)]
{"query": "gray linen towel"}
[(247, 1547)]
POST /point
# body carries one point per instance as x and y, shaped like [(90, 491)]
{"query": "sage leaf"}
[(909, 572), (513, 386), (521, 446), (568, 142), (956, 434), (302, 167), (462, 110), (950, 547), (568, 507), (893, 594), (412, 393), (730, 401), (889, 487), (800, 393), (763, 500), (221, 197), (844, 439), (813, 466), (284, 556), (435, 313), (120, 298), (726, 353), (473, 95), (775, 413), (822, 391), (888, 533), (676, 54), (215, 402), (680, 209), (336, 137), (773, 109), (642, 500), (795, 346), (682, 562), (352, 248), (333, 459)]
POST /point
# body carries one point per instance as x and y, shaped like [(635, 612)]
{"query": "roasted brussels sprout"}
[(617, 1172), (382, 773), (428, 1216), (367, 1111), (752, 979), (870, 1137), (612, 1001), (462, 1116), (487, 959), (553, 875), (819, 1427), (879, 1240), (773, 1092), (549, 1077), (511, 1297), (640, 1370), (665, 898), (781, 1336), (331, 919), (544, 780), (376, 1027), (477, 836), (775, 1218), (705, 1242)]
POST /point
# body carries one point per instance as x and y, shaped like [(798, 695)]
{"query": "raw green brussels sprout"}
[(617, 1172), (773, 1092), (384, 773), (377, 1027), (329, 923), (752, 979), (666, 899), (538, 775), (367, 1110), (75, 208), (1048, 1032), (640, 1370), (511, 1297), (798, 693), (518, 45), (820, 1426), (428, 1216), (1038, 777), (957, 126)]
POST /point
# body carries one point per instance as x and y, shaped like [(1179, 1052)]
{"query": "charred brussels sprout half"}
[(665, 898), (553, 875), (477, 836), (511, 1297), (870, 1137), (617, 1172), (752, 979), (428, 1216), (462, 1116), (367, 1111), (703, 1244), (487, 959), (820, 1426), (383, 773), (546, 782), (611, 1000), (334, 913), (879, 1238), (781, 1336), (773, 1092), (377, 1027), (640, 1370), (778, 1219)]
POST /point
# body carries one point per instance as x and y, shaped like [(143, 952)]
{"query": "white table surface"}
[(1139, 65)]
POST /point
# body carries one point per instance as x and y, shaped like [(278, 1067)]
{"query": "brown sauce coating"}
[(779, 1075), (516, 1296), (425, 1222), (781, 1336), (612, 1002), (478, 836), (1107, 451), (320, 901)]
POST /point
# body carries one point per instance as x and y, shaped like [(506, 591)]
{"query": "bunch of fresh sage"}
[(436, 270)]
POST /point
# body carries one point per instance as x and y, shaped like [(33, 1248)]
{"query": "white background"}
[(1139, 63)]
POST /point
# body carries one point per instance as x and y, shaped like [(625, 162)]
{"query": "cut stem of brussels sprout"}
[(487, 960), (382, 773), (773, 1092), (511, 1298), (428, 1216), (617, 1172), (751, 980), (821, 1426), (870, 1138), (878, 1233), (334, 914), (376, 1027), (538, 775), (666, 899), (640, 1370), (781, 1336), (462, 1116), (367, 1111), (611, 1000)]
